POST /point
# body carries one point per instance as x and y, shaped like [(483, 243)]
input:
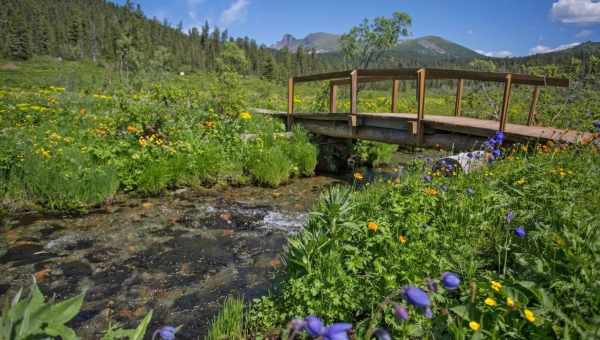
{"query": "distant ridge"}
[(321, 42)]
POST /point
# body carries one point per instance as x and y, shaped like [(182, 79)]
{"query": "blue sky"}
[(494, 27)]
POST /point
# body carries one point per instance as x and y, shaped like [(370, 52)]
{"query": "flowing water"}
[(179, 255)]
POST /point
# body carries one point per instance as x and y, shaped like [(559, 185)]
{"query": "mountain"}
[(429, 49), (321, 42), (432, 46)]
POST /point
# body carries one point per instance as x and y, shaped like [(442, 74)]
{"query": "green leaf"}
[(140, 331), (64, 311), (462, 311), (63, 331)]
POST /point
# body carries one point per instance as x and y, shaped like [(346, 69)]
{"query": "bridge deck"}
[(453, 124)]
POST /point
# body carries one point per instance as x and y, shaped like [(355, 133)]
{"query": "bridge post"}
[(505, 102), (533, 107), (421, 75), (395, 88), (332, 97), (290, 119), (459, 92), (353, 100)]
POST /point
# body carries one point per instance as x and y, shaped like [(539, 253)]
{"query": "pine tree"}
[(20, 39)]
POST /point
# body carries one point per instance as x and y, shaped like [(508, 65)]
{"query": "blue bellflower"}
[(166, 333), (401, 312), (416, 297), (520, 232), (450, 281)]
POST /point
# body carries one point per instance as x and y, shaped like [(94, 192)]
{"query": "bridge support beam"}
[(459, 92), (505, 102), (290, 119), (533, 107)]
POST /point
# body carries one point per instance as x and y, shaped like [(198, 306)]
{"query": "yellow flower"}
[(372, 226), (358, 176), (403, 239), (142, 141), (490, 302), (510, 302), (521, 181), (209, 124), (431, 191), (496, 286), (529, 315), (474, 325), (132, 129), (246, 115)]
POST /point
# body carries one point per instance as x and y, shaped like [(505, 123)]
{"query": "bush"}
[(269, 166), (64, 181)]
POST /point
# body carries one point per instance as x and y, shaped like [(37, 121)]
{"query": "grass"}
[(229, 323)]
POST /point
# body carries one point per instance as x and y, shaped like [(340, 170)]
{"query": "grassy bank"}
[(75, 143), (522, 236)]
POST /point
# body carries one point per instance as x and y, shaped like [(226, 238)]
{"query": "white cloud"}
[(496, 54), (539, 49), (577, 11), (583, 34), (236, 12)]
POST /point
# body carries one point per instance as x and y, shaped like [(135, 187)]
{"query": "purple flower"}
[(510, 216), (427, 178), (470, 155), (382, 334), (596, 124), (166, 333), (401, 312), (499, 137), (337, 331), (416, 297), (470, 191), (450, 281), (496, 153), (520, 232), (428, 313), (314, 326), (431, 285)]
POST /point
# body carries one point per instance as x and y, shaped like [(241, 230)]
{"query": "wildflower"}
[(450, 281), (402, 239), (358, 176), (520, 181), (596, 124), (337, 331), (416, 297), (428, 313), (490, 302), (529, 316), (510, 216), (510, 302), (496, 286), (165, 333), (431, 285), (82, 111), (401, 312), (520, 232), (142, 141), (382, 334), (372, 226), (427, 178), (314, 326), (430, 192), (474, 325), (470, 191), (132, 129), (209, 124), (246, 115)]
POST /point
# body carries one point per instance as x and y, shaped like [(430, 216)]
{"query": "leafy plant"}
[(229, 324)]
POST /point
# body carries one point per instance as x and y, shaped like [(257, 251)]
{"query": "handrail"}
[(354, 77)]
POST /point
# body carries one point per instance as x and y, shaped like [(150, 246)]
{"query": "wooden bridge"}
[(449, 131)]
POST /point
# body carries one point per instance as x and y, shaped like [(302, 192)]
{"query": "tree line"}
[(123, 36)]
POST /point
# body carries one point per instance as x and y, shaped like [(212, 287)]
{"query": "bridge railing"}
[(420, 75)]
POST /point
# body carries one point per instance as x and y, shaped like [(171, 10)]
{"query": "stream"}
[(179, 254)]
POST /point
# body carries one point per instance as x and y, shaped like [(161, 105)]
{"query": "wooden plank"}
[(332, 97), (395, 88), (409, 73), (459, 92), (533, 106), (421, 104), (290, 104), (505, 102), (322, 76), (353, 99)]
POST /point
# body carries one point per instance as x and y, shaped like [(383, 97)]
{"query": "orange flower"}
[(430, 191), (358, 176), (403, 239), (372, 226), (132, 129)]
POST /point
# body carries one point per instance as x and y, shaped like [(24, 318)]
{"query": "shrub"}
[(269, 166)]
